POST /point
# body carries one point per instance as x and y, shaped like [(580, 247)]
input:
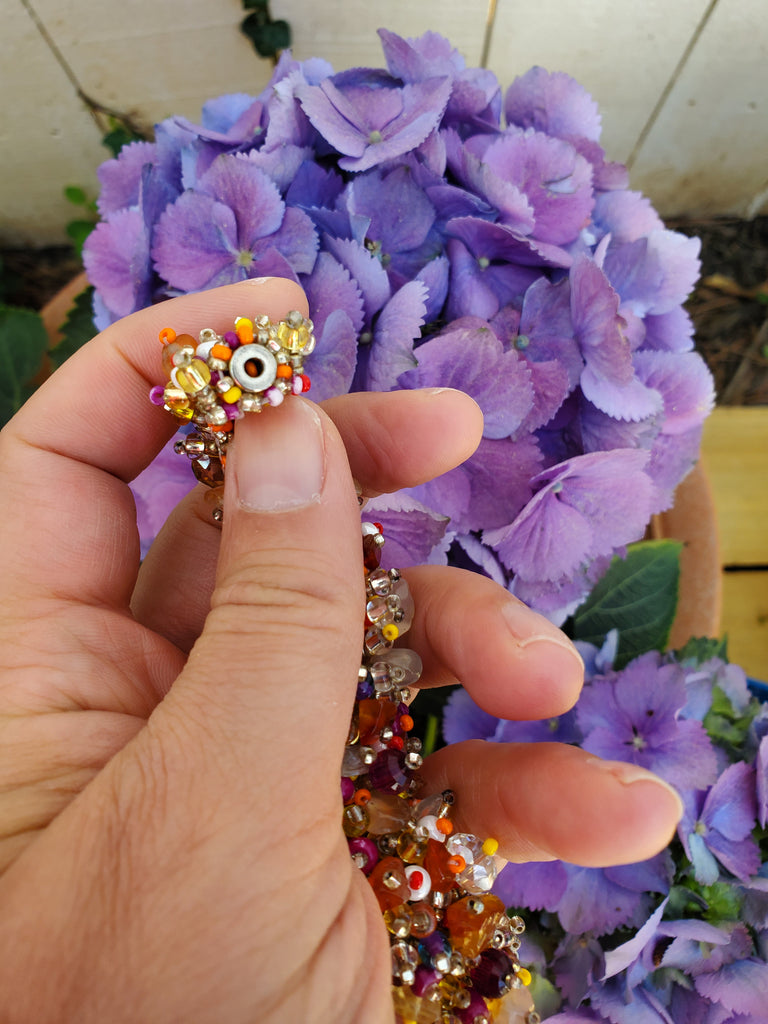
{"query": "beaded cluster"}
[(215, 379), (454, 947)]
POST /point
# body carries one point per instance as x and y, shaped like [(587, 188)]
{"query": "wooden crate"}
[(735, 457)]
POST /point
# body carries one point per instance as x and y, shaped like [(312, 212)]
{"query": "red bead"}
[(306, 383)]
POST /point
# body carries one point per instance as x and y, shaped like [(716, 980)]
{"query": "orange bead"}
[(456, 863), (223, 352), (406, 723), (444, 826), (244, 330), (167, 335), (222, 428), (284, 370), (362, 797)]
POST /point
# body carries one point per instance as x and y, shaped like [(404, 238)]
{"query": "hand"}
[(169, 788)]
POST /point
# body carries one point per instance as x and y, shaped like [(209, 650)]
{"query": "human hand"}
[(169, 789)]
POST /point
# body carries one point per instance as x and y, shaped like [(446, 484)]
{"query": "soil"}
[(729, 305)]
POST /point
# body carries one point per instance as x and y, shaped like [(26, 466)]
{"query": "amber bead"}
[(389, 883), (437, 862), (471, 923), (373, 715)]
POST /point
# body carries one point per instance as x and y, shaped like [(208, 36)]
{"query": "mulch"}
[(729, 305)]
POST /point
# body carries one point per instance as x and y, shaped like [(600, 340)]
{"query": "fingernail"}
[(628, 774), (529, 628), (277, 462)]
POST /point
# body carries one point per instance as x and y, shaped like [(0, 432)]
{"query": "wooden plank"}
[(745, 620), (735, 454), (623, 53), (708, 150)]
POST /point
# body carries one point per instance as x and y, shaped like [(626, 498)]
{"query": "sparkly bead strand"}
[(454, 947)]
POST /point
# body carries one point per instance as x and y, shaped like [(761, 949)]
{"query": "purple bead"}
[(388, 771), (426, 977), (435, 943), (347, 789), (156, 395), (232, 410), (365, 688), (368, 849), (492, 975), (477, 1010), (231, 339), (215, 377)]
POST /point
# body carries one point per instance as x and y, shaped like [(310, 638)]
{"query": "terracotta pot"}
[(54, 312), (693, 521)]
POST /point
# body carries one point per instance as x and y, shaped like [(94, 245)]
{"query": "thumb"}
[(275, 669)]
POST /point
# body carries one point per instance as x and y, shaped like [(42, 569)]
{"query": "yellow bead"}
[(232, 395), (524, 975), (390, 632), (192, 378), (490, 846), (244, 330)]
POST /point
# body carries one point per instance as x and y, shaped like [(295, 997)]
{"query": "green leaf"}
[(701, 648), (77, 328), (75, 195), (23, 342), (637, 596), (268, 37), (256, 5), (78, 231), (118, 137)]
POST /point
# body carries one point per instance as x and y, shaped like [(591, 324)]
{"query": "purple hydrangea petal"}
[(412, 60), (116, 257), (741, 986), (656, 273), (586, 507), (397, 328), (536, 885), (414, 534), (685, 384), (479, 289), (762, 782), (365, 269), (556, 180), (624, 215), (196, 243), (236, 182), (593, 903), (464, 720), (621, 957), (472, 554), (488, 488), (434, 276), (471, 359), (672, 331), (158, 490), (120, 178), (400, 214), (553, 103)]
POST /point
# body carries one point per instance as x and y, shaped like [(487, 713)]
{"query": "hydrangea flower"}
[(446, 234)]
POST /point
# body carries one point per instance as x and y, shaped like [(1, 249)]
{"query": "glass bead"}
[(407, 607), (416, 1009), (379, 582), (371, 552), (192, 378), (388, 771), (386, 813), (366, 849), (373, 715), (411, 849), (404, 666), (471, 923), (476, 1012), (419, 881), (492, 976), (355, 821), (376, 610), (295, 339), (423, 920), (436, 861), (514, 1008), (389, 883), (481, 869), (178, 352), (208, 470), (354, 762)]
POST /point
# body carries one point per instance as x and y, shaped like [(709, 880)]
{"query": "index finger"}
[(70, 451)]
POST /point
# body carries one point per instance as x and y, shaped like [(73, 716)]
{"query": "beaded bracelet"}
[(454, 947)]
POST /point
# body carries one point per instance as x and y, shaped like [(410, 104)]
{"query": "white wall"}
[(682, 84)]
